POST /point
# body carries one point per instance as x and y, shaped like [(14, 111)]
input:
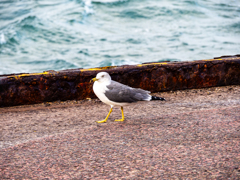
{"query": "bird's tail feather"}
[(157, 98)]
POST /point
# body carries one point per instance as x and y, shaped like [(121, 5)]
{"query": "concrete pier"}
[(194, 134)]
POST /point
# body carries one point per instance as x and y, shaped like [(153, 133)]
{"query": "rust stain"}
[(160, 76)]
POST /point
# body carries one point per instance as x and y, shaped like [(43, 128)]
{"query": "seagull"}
[(116, 94)]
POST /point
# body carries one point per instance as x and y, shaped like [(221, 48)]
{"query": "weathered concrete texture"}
[(194, 134), (155, 77)]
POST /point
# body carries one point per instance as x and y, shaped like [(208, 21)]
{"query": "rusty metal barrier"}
[(20, 89)]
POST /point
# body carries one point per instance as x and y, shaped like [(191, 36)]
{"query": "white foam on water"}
[(88, 7), (2, 39)]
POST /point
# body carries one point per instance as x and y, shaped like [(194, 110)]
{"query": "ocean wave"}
[(42, 35), (59, 64), (109, 1), (133, 14), (236, 26)]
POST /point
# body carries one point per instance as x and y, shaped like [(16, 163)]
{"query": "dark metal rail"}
[(19, 89)]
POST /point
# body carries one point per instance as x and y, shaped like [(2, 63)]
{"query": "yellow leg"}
[(105, 120), (122, 115)]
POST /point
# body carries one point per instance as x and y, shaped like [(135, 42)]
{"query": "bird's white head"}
[(103, 77)]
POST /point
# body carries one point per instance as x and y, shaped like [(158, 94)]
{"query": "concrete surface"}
[(195, 134)]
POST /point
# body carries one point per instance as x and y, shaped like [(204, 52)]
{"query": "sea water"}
[(40, 35)]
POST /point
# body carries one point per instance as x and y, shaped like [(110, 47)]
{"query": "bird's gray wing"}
[(118, 92)]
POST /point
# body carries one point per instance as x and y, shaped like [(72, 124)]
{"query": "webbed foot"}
[(103, 121), (119, 119)]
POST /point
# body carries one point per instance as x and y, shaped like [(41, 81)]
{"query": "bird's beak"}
[(93, 79)]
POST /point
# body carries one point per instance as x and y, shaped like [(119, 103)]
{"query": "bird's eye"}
[(102, 76)]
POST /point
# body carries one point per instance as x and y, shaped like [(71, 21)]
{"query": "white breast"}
[(99, 89)]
